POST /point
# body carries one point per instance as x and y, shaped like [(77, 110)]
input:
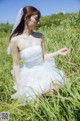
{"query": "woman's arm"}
[(63, 51), (15, 56)]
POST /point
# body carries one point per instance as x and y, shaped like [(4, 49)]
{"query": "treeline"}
[(5, 29), (72, 19)]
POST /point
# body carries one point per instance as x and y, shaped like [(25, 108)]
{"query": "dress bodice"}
[(32, 56)]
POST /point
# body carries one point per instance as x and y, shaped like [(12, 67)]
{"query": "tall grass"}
[(65, 105)]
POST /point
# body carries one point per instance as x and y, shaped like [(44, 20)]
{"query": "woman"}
[(38, 73)]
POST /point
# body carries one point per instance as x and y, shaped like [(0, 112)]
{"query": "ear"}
[(27, 18)]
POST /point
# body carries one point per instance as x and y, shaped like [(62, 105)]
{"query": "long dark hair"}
[(28, 11)]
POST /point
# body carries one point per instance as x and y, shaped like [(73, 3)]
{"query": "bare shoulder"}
[(14, 39), (14, 42)]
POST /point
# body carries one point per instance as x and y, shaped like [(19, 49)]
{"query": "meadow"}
[(61, 30)]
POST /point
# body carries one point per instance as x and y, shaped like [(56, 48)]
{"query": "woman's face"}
[(33, 22)]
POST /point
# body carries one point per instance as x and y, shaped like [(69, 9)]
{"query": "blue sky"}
[(10, 8)]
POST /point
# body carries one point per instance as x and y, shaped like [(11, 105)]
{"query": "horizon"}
[(45, 16)]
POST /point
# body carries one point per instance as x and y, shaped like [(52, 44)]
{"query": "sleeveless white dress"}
[(37, 75)]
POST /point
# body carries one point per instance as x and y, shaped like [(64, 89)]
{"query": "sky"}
[(9, 8)]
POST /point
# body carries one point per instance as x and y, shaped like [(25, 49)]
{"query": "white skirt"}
[(38, 79)]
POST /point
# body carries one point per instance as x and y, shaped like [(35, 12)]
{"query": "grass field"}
[(65, 106)]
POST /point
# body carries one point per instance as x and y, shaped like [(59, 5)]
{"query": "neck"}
[(27, 31)]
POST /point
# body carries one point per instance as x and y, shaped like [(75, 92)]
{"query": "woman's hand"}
[(63, 51)]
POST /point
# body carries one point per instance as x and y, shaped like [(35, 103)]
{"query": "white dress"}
[(37, 75)]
